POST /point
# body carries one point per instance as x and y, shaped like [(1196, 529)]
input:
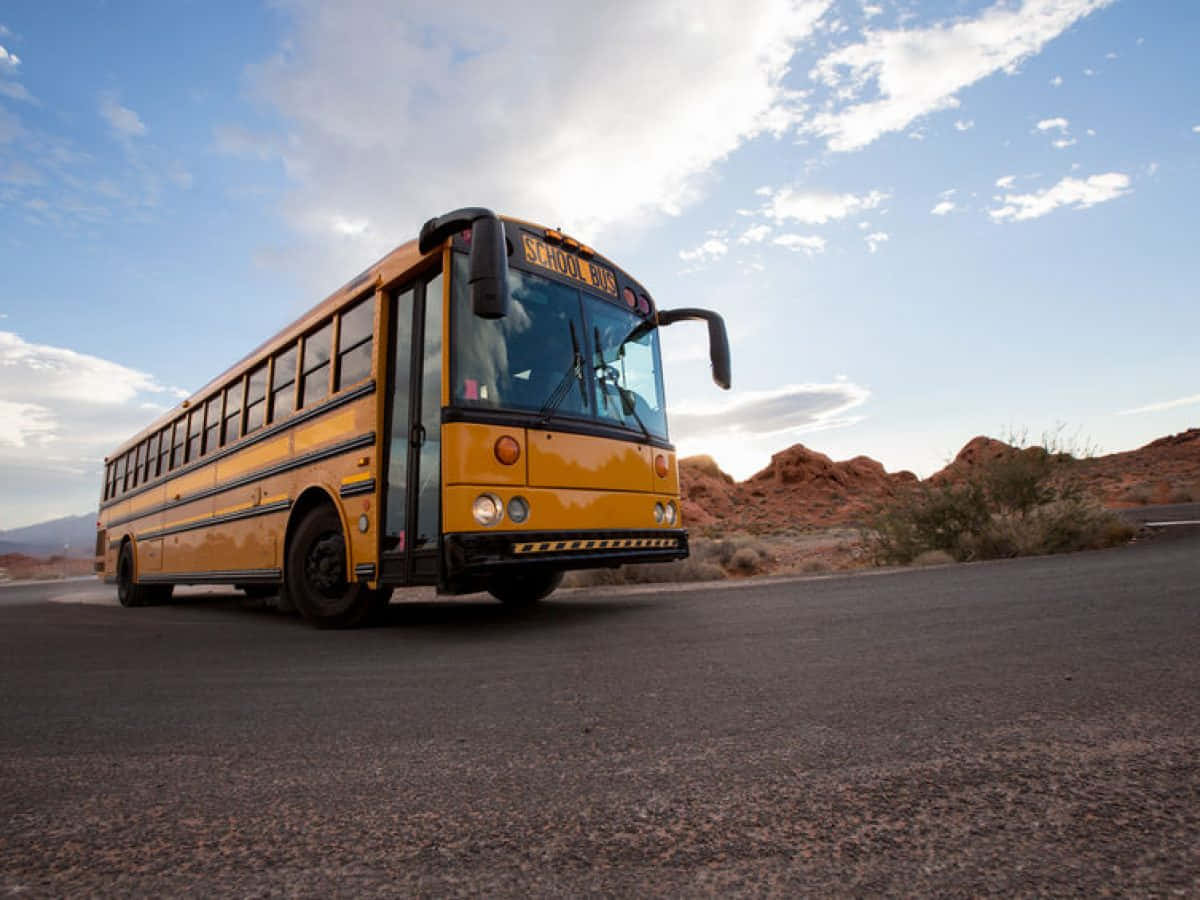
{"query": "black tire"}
[(129, 592), (315, 574), (524, 588)]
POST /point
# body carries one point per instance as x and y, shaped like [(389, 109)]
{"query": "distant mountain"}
[(75, 533)]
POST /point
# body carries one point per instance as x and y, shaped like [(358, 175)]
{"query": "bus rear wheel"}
[(129, 592), (524, 588), (315, 575)]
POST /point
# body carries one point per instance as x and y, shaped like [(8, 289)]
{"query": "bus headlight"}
[(487, 509), (672, 513), (659, 512), (518, 509)]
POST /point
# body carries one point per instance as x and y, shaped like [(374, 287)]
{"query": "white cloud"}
[(961, 125), (121, 119), (818, 207), (875, 239), (1063, 143), (946, 206), (870, 11), (1089, 72), (793, 409), (1056, 81), (15, 91), (713, 248), (755, 234), (1163, 405), (1057, 123), (1005, 181), (1073, 193), (553, 115), (918, 71), (1196, 129), (808, 243), (61, 412), (8, 61)]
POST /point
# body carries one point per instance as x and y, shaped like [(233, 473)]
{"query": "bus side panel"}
[(246, 545), (180, 543)]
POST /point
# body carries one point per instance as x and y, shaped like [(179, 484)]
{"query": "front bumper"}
[(469, 557)]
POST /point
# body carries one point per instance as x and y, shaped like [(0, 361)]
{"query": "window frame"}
[(303, 373), (368, 300), (293, 347)]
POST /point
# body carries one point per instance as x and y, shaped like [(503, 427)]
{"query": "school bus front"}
[(555, 449)]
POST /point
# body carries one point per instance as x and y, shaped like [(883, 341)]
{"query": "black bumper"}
[(470, 557)]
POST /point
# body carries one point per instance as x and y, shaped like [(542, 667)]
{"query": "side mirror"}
[(718, 339), (488, 270)]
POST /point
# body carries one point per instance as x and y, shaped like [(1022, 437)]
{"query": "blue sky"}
[(922, 221)]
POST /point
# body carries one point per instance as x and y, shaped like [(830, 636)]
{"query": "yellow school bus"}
[(482, 409)]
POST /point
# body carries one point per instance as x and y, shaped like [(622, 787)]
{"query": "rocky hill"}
[(805, 489)]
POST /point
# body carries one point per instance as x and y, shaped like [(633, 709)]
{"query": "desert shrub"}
[(929, 517), (1019, 504), (1184, 493), (745, 561), (1140, 494), (814, 566)]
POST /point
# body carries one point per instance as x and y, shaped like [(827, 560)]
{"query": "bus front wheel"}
[(315, 576), (524, 588)]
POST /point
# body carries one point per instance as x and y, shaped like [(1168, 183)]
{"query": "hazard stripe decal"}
[(601, 544)]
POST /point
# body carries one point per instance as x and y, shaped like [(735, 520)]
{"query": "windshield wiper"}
[(575, 370), (627, 404)]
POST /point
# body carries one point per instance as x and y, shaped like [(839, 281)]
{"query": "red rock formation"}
[(803, 488)]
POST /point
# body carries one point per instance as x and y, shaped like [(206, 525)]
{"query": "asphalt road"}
[(1025, 727)]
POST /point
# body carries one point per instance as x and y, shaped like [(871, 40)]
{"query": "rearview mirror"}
[(487, 273), (718, 339)]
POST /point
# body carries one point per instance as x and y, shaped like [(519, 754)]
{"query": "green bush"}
[(1022, 503)]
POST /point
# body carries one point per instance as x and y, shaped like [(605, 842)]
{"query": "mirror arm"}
[(439, 228), (718, 338), (488, 267)]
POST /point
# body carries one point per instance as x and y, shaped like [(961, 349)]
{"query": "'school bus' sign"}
[(563, 263)]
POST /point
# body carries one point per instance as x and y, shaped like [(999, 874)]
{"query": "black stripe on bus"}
[(363, 440), (364, 571), (244, 442), (265, 509), (358, 487), (230, 576)]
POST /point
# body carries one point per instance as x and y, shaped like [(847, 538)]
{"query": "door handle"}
[(417, 437)]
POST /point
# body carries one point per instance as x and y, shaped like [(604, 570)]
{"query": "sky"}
[(921, 221)]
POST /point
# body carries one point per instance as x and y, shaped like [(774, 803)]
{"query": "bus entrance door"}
[(412, 514)]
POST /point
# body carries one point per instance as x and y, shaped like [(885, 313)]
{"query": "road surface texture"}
[(1024, 727)]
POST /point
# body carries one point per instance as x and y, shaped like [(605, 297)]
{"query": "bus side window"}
[(178, 443), (195, 433), (212, 423), (354, 343), (283, 385), (164, 450), (256, 400), (233, 413), (122, 469), (148, 471), (315, 368), (137, 465)]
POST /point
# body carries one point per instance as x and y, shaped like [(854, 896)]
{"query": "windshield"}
[(557, 353)]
